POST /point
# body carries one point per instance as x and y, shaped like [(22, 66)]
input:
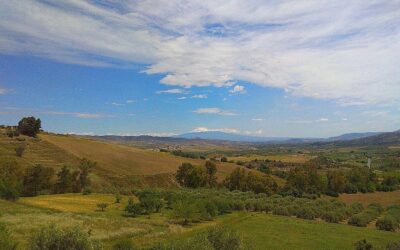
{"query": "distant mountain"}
[(352, 136), (217, 135), (381, 139)]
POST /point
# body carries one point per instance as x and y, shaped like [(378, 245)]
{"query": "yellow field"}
[(384, 198), (292, 158), (76, 203)]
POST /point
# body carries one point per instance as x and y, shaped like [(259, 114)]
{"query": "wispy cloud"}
[(3, 91), (214, 111), (117, 104), (182, 98), (293, 45), (78, 114), (130, 101), (238, 89), (172, 91), (200, 96), (258, 119), (225, 130)]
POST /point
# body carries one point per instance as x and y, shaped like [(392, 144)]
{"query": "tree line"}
[(37, 179)]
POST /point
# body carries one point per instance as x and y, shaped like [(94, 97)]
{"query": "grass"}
[(263, 231), (276, 232), (384, 198)]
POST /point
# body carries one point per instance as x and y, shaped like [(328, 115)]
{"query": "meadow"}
[(260, 230)]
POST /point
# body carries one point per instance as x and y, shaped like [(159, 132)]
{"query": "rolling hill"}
[(118, 165)]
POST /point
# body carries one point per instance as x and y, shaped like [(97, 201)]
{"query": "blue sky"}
[(262, 68)]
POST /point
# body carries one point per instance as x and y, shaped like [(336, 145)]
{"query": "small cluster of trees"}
[(302, 180), (192, 176), (244, 180), (38, 179), (363, 218), (149, 202), (391, 220)]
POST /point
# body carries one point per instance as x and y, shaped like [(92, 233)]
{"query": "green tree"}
[(10, 180), (336, 181), (102, 206), (363, 245), (211, 170), (36, 179), (64, 181), (29, 126), (185, 211), (191, 176), (85, 167)]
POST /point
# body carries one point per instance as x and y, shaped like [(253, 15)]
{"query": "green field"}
[(260, 230)]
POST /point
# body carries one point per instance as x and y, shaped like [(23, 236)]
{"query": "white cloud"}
[(258, 119), (130, 101), (117, 104), (238, 89), (2, 91), (215, 111), (182, 98), (299, 46), (225, 130), (172, 91), (200, 96), (78, 114), (323, 120)]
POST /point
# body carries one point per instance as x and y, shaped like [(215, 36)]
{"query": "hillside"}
[(382, 139), (118, 165)]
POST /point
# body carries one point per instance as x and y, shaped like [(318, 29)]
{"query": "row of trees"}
[(38, 179), (302, 180)]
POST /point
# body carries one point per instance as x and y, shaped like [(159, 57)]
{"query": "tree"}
[(363, 245), (36, 179), (71, 238), (64, 181), (211, 170), (336, 181), (184, 211), (191, 176), (85, 167), (133, 209), (118, 198), (102, 206), (10, 180), (29, 126)]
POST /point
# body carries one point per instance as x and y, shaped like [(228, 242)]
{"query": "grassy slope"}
[(263, 231), (384, 198)]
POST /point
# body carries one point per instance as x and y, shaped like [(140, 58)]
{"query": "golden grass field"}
[(384, 198)]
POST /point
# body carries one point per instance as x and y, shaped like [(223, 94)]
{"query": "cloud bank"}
[(347, 51)]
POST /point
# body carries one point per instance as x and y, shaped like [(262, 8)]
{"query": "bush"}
[(362, 219), (51, 237), (102, 206), (19, 151), (391, 221), (124, 244), (6, 242), (363, 245), (133, 209)]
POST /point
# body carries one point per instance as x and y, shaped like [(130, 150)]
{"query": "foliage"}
[(366, 216), (19, 151), (391, 220), (85, 167), (6, 241), (10, 180), (29, 126), (192, 176), (51, 237), (243, 180), (36, 179), (123, 244), (363, 245), (102, 206), (65, 181)]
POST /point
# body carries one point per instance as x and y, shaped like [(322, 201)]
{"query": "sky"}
[(166, 67)]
